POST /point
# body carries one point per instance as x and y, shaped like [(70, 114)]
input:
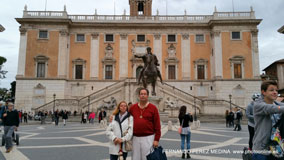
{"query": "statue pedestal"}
[(156, 101), (195, 125)]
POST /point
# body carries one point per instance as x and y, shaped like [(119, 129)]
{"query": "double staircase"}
[(127, 90)]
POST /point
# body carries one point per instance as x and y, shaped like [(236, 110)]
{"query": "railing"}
[(221, 102), (141, 19), (57, 102)]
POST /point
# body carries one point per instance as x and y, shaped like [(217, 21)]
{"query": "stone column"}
[(63, 54), (255, 54), (185, 56), (157, 50), (217, 55), (123, 57), (94, 61), (22, 53)]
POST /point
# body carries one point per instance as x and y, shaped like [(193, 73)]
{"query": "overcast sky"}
[(271, 42)]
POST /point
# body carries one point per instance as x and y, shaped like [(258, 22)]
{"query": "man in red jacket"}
[(146, 126)]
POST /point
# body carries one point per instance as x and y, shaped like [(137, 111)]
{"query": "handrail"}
[(222, 100)]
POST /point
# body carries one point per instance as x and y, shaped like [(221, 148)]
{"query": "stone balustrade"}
[(142, 19)]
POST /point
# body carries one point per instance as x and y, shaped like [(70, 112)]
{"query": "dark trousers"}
[(115, 157), (56, 120), (251, 134)]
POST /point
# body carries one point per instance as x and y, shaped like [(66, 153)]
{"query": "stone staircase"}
[(127, 90)]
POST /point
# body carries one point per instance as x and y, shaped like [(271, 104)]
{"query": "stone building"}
[(80, 60)]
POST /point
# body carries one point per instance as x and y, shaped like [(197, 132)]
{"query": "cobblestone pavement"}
[(77, 141)]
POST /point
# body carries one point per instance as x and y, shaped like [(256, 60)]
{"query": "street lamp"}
[(54, 96), (88, 106), (195, 114), (230, 97)]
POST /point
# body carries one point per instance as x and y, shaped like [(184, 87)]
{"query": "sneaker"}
[(188, 156), (183, 156)]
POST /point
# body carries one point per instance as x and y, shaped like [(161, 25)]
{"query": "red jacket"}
[(149, 124)]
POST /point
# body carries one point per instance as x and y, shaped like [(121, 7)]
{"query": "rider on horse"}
[(145, 64)]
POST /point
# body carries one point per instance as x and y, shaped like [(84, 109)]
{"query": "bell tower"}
[(140, 7)]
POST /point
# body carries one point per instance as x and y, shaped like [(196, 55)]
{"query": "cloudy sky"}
[(271, 43)]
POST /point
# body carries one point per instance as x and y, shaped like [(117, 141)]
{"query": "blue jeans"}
[(8, 132), (187, 137), (259, 157), (115, 157)]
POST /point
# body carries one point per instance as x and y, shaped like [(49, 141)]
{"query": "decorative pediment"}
[(39, 86), (41, 58), (237, 58), (200, 61), (79, 61)]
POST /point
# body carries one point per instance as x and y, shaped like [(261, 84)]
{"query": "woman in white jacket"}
[(122, 122)]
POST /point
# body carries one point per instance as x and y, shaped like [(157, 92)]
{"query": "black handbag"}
[(156, 154)]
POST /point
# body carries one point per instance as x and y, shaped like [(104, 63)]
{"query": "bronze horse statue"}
[(150, 71)]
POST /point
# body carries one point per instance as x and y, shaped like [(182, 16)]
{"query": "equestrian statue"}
[(150, 71)]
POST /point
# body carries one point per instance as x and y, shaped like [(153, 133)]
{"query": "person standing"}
[(227, 117), (56, 117), (25, 117), (11, 123), (184, 120), (146, 126), (249, 114), (266, 114), (92, 117), (3, 109), (122, 123), (64, 117)]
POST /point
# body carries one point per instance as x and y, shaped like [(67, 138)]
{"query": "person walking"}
[(11, 123), (146, 126), (266, 112), (64, 117), (184, 120), (119, 131), (231, 118), (85, 117), (238, 117), (92, 117), (249, 114)]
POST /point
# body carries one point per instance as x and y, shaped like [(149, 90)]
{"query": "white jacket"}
[(113, 131)]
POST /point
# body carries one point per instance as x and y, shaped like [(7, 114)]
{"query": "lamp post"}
[(54, 96), (88, 106), (230, 97), (195, 114)]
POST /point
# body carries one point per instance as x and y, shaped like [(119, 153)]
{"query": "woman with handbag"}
[(120, 132), (184, 130)]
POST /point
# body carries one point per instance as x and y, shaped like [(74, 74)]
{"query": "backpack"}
[(276, 144)]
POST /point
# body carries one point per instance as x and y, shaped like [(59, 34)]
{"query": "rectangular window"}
[(237, 71), (171, 38), (80, 38), (109, 38), (172, 72), (199, 38), (200, 72), (79, 72), (140, 38), (236, 35), (43, 34), (40, 70), (108, 72)]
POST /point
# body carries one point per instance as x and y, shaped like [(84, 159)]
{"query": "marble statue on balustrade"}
[(109, 104)]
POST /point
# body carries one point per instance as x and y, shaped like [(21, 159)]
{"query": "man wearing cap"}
[(11, 123)]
